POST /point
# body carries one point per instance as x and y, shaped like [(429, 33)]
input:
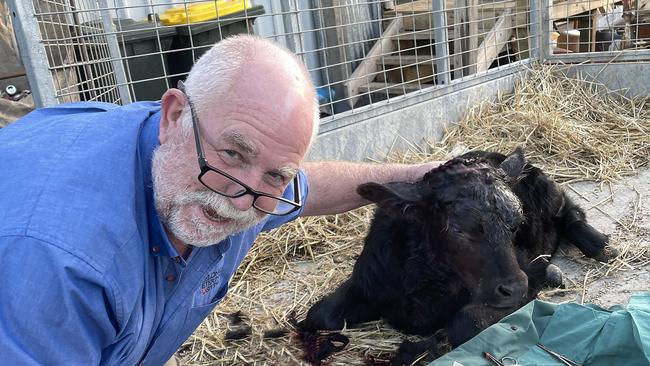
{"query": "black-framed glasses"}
[(265, 202)]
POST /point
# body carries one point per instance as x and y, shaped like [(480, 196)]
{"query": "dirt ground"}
[(622, 211)]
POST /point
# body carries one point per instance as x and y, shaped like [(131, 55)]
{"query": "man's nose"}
[(242, 203)]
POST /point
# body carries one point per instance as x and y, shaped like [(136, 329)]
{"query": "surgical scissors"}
[(505, 361), (558, 356), (492, 359)]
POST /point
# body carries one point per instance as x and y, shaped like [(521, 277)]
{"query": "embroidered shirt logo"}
[(209, 282)]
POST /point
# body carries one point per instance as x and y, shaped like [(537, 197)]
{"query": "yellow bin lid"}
[(201, 12)]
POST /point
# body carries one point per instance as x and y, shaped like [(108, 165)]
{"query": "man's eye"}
[(277, 178), (230, 155)]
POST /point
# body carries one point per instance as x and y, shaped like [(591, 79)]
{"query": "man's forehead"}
[(278, 80), (245, 145)]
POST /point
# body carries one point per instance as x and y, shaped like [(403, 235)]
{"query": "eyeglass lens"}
[(228, 187)]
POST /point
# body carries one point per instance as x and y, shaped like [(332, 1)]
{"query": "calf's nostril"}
[(504, 291)]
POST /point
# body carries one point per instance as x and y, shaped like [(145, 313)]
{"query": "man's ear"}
[(400, 200), (171, 109)]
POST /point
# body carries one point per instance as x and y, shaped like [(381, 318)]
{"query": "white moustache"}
[(219, 204)]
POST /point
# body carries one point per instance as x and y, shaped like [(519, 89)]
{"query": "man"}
[(116, 242)]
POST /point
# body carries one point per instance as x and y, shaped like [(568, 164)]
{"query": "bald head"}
[(260, 71)]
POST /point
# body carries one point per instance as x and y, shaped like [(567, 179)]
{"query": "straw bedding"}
[(573, 129)]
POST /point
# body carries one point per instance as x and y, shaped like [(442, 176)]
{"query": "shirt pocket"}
[(212, 289)]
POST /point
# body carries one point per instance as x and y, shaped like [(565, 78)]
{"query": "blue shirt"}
[(88, 275)]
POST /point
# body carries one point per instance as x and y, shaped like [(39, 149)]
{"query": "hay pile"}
[(571, 128)]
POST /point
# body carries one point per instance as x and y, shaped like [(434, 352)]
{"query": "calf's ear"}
[(514, 163), (377, 193), (399, 199)]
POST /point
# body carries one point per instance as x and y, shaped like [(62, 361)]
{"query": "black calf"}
[(459, 249)]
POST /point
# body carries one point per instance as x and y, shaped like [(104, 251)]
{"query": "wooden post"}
[(494, 41), (367, 69), (594, 27), (585, 25), (466, 37)]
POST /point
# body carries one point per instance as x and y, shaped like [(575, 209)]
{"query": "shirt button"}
[(170, 278), (177, 259), (155, 249)]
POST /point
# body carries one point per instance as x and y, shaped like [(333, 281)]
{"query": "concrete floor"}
[(611, 209)]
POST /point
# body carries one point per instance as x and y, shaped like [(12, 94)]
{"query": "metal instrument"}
[(558, 356), (505, 361)]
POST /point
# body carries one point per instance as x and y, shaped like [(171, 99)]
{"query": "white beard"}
[(176, 201)]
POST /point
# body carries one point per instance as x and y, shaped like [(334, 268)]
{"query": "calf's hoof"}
[(320, 345), (554, 276), (607, 254), (409, 351)]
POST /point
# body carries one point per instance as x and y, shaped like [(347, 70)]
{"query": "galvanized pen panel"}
[(363, 55)]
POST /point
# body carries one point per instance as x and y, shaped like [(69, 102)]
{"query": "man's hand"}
[(419, 170), (333, 184)]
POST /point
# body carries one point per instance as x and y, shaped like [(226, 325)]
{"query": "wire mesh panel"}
[(77, 52), (358, 52), (588, 26)]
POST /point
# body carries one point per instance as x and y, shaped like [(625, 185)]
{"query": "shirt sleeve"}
[(54, 309), (273, 221)]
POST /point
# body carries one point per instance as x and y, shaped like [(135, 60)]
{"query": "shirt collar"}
[(159, 243)]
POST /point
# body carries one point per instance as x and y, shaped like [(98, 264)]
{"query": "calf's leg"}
[(409, 351), (590, 241), (346, 305), (471, 320)]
